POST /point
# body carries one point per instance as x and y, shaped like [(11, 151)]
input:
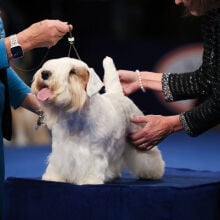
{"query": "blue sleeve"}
[(18, 90), (3, 53), (2, 29)]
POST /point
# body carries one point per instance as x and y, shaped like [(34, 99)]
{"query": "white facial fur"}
[(67, 79)]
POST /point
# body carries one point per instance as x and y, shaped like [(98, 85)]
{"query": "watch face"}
[(17, 51)]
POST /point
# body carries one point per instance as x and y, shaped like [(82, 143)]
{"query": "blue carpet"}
[(179, 151), (191, 192), (27, 161), (200, 153)]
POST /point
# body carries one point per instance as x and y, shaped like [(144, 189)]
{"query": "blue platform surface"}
[(178, 150), (189, 190), (182, 194)]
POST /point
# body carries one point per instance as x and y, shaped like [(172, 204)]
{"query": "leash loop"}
[(71, 42)]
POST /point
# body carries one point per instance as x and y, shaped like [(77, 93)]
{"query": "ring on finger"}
[(145, 147), (142, 146)]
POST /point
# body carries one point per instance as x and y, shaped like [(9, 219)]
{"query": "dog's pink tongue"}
[(44, 94)]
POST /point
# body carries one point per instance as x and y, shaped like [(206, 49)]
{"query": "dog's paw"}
[(91, 181), (55, 178)]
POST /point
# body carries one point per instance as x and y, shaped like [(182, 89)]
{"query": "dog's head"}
[(65, 83)]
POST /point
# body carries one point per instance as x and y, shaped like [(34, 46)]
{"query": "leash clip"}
[(40, 120), (71, 40)]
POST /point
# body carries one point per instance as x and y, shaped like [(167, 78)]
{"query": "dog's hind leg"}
[(145, 165), (111, 77)]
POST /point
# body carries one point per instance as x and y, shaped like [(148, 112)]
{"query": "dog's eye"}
[(72, 71)]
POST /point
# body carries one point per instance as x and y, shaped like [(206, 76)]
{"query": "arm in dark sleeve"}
[(182, 86), (202, 117), (192, 85)]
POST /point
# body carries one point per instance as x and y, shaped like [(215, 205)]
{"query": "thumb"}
[(138, 119)]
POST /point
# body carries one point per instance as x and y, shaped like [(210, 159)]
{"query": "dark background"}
[(135, 33), (132, 19)]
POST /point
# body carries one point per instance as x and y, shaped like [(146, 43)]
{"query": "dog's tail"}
[(111, 77)]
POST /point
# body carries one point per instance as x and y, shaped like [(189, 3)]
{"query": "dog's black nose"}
[(45, 74)]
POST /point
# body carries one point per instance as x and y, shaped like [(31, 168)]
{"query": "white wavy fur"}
[(89, 129)]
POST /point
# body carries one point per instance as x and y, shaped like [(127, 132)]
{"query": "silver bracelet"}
[(140, 81)]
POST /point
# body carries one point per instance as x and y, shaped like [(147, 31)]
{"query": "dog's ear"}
[(94, 84)]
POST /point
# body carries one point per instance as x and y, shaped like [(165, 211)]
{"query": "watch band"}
[(16, 49), (14, 40)]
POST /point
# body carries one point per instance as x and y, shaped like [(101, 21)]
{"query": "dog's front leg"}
[(90, 181), (51, 175)]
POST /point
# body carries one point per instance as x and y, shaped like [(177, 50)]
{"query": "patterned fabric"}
[(202, 84)]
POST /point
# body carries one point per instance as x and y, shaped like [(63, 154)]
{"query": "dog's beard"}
[(68, 98), (69, 101)]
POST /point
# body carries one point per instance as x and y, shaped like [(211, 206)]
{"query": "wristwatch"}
[(16, 49)]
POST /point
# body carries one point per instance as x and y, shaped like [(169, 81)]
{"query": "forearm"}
[(201, 118), (24, 39), (175, 123), (31, 103), (182, 86), (151, 80), (45, 33), (26, 45)]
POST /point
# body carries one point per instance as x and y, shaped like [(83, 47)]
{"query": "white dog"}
[(89, 129)]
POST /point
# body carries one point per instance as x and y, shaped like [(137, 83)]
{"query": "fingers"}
[(128, 81), (64, 27), (70, 27), (154, 130), (139, 136), (143, 144), (145, 147), (61, 26), (57, 29), (142, 139), (139, 119)]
